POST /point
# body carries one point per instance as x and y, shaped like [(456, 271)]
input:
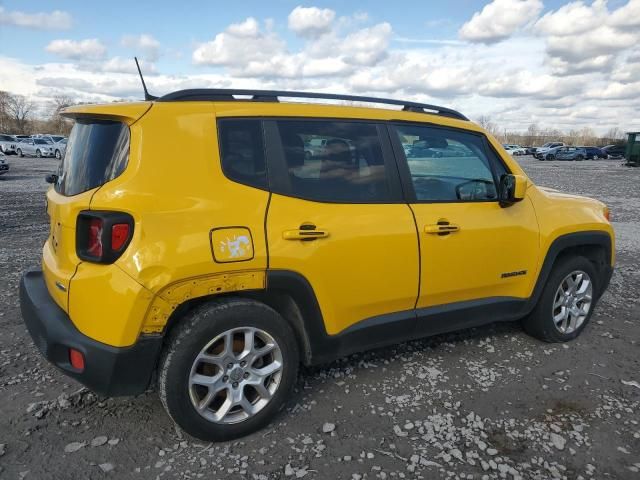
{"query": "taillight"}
[(101, 237), (119, 235), (94, 244)]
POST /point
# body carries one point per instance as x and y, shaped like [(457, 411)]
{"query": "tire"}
[(58, 155), (38, 153), (580, 158), (19, 153), (540, 323), (550, 157), (201, 329), (307, 155)]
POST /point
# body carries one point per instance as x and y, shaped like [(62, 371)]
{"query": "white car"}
[(514, 149), (35, 147)]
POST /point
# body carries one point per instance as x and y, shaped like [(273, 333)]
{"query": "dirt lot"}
[(483, 403)]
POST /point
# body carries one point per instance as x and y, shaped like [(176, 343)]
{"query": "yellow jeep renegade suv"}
[(211, 240)]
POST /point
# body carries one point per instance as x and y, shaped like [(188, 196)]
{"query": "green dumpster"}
[(632, 153)]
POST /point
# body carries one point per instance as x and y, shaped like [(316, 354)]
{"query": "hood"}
[(553, 193)]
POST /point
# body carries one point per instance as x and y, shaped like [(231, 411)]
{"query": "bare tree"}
[(58, 123), (532, 134), (4, 112), (19, 109), (485, 122)]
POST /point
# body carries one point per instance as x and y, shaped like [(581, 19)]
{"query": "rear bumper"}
[(109, 371)]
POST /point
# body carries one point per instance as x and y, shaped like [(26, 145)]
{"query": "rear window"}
[(97, 152)]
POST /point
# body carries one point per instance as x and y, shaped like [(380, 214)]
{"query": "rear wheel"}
[(227, 369), (580, 158), (551, 157), (566, 303)]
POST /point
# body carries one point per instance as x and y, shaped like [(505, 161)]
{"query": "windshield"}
[(97, 152)]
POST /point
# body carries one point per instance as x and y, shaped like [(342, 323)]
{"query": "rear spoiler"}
[(128, 112)]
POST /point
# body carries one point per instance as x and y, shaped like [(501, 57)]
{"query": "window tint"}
[(447, 165), (242, 151), (97, 152), (334, 161)]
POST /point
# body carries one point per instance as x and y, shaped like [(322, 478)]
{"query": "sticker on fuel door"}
[(231, 244)]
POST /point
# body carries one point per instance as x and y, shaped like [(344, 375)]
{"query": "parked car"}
[(614, 151), (529, 150), (593, 153), (35, 147), (542, 152), (52, 138), (4, 166), (218, 282), (59, 148), (8, 144), (570, 153), (547, 153), (514, 149)]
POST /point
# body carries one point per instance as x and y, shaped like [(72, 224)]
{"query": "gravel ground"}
[(482, 403)]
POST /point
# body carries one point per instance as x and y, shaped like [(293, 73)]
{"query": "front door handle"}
[(441, 228), (305, 232)]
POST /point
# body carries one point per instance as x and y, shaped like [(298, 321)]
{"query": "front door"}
[(337, 217), (471, 248)]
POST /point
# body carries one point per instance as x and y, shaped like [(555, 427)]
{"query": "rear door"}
[(98, 151), (337, 217), (471, 248)]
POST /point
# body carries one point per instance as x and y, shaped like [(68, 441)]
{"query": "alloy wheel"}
[(572, 302), (235, 375)]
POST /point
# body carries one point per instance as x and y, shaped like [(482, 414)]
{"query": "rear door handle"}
[(305, 232), (441, 228)]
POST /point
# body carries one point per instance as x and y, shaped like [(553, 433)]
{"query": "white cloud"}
[(499, 20), (584, 38), (573, 18), (56, 20), (88, 49), (627, 16), (311, 22), (143, 43), (125, 65), (238, 45)]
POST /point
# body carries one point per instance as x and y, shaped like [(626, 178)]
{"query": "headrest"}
[(293, 147)]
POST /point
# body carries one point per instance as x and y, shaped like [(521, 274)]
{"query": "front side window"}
[(447, 165), (242, 151), (333, 161)]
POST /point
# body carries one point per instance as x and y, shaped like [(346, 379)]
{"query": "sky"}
[(564, 65)]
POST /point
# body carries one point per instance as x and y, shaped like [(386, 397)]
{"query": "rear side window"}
[(242, 151), (332, 161), (97, 152)]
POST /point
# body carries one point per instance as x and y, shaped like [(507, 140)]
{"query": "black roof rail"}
[(227, 95)]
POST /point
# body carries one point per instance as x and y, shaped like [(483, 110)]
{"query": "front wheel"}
[(38, 154), (566, 303), (58, 155), (19, 152), (227, 369), (580, 158)]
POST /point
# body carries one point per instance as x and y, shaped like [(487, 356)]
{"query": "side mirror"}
[(512, 189)]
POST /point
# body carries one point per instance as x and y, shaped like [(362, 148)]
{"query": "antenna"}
[(147, 95)]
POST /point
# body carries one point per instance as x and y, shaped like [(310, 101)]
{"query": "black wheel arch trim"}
[(564, 242)]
